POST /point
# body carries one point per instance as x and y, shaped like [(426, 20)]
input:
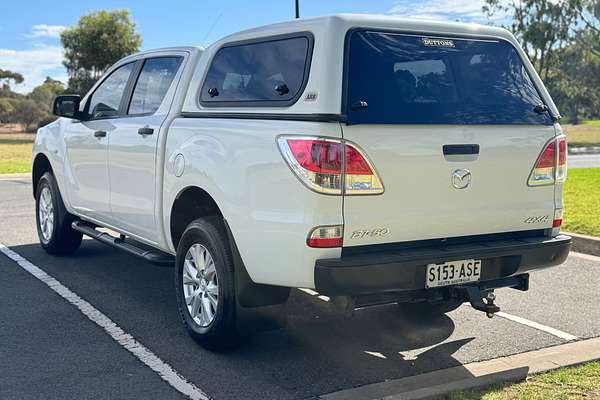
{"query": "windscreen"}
[(409, 79)]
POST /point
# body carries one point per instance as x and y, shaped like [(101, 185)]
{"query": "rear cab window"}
[(265, 72), (394, 78)]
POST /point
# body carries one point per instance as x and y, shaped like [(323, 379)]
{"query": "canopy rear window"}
[(396, 78)]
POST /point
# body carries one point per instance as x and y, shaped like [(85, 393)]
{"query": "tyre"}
[(205, 286), (52, 219), (428, 309)]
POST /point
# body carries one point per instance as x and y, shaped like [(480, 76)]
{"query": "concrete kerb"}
[(504, 369)]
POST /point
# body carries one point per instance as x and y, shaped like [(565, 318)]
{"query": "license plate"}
[(452, 273)]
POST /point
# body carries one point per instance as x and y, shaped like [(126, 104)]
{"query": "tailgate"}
[(420, 199)]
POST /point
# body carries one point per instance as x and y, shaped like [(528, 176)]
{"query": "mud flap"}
[(258, 307)]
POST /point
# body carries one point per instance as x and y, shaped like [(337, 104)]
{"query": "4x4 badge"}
[(461, 178)]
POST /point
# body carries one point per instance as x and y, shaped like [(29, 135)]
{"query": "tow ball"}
[(482, 300), (482, 296)]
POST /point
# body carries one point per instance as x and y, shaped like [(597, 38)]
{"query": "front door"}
[(87, 146)]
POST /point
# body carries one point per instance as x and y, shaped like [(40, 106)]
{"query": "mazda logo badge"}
[(461, 178)]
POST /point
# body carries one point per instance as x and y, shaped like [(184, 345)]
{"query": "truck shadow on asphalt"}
[(318, 351)]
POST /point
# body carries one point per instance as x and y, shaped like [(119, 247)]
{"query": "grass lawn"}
[(579, 382), (584, 134), (15, 152), (582, 201)]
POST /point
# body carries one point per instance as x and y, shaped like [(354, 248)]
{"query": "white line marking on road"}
[(535, 325), (142, 353), (313, 293), (376, 354), (588, 257), (309, 291)]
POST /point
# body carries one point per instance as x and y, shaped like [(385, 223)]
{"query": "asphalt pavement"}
[(50, 350)]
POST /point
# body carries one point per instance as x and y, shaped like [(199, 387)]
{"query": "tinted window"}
[(406, 79), (272, 71), (153, 83), (107, 97)]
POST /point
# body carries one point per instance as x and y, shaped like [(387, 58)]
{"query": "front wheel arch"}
[(41, 165)]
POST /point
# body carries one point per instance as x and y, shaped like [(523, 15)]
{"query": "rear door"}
[(132, 152), (449, 125)]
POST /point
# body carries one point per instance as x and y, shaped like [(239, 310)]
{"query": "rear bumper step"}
[(153, 256), (404, 270)]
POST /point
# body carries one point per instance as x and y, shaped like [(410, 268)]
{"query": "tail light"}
[(330, 166), (326, 236), (556, 222), (558, 217), (561, 168), (551, 165)]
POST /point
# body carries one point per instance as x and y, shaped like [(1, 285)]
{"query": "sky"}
[(30, 30)]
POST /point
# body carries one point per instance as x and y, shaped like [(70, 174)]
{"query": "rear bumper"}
[(404, 270)]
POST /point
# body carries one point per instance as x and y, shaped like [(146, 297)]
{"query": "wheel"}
[(52, 219), (426, 308), (204, 283)]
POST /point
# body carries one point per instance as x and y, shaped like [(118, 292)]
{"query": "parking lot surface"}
[(50, 350)]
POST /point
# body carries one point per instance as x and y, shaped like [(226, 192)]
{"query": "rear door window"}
[(411, 79), (266, 73), (153, 83)]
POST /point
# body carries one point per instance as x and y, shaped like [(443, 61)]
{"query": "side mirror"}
[(66, 106)]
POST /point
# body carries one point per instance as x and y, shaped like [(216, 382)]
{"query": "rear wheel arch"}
[(190, 204), (193, 203)]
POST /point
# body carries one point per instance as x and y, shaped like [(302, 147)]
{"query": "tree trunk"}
[(573, 117)]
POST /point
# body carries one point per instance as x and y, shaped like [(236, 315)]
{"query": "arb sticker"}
[(311, 96)]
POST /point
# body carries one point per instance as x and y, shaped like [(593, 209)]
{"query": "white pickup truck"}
[(372, 159)]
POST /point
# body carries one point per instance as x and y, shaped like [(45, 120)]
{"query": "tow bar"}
[(482, 296)]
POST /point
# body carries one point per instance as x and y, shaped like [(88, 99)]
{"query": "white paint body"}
[(129, 182)]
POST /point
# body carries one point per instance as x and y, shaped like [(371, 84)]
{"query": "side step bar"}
[(154, 256)]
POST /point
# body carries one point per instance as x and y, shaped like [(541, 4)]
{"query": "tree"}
[(589, 15), (562, 39), (8, 98), (6, 77), (28, 113), (96, 42), (45, 93), (575, 81), (6, 109), (541, 26)]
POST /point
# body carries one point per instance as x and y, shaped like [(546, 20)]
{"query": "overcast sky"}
[(30, 30)]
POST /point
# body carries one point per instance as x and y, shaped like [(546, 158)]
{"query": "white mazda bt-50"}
[(371, 159)]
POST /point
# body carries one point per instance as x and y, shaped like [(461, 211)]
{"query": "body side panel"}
[(269, 211)]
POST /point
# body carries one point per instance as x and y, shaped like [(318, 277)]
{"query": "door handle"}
[(100, 134), (460, 149), (145, 131)]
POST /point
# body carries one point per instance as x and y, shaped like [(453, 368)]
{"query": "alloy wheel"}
[(200, 285)]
